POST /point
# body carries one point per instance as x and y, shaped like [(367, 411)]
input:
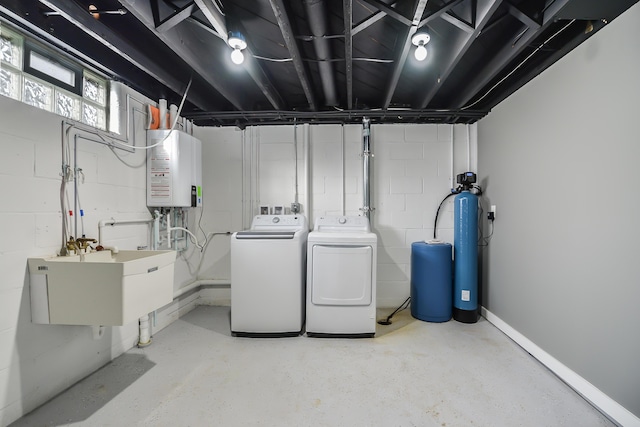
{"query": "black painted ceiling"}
[(319, 61)]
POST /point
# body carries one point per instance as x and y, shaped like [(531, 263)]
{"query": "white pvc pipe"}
[(169, 230), (145, 331), (103, 223), (156, 230), (198, 283), (343, 169)]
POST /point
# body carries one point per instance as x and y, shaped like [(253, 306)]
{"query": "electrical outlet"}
[(295, 207), (492, 213)]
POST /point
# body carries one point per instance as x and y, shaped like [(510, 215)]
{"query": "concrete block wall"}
[(413, 169), (222, 198), (39, 361)]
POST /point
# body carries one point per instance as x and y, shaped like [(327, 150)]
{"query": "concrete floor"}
[(412, 374)]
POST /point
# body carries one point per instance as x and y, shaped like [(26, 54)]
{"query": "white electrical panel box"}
[(174, 169)]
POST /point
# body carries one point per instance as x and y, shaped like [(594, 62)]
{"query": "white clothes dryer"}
[(341, 278), (268, 272)]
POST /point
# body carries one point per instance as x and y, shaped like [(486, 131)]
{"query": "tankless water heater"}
[(174, 169)]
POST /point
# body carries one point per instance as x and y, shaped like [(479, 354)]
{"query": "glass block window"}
[(94, 89), (93, 116), (67, 105), (37, 94), (10, 48), (10, 83), (38, 76)]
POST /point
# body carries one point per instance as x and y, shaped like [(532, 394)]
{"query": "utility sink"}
[(100, 288)]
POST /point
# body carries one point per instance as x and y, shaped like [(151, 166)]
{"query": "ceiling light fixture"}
[(236, 41), (420, 40)]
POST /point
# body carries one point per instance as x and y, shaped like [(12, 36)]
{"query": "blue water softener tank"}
[(465, 250), (431, 281)]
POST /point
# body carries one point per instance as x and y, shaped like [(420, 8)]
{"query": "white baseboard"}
[(612, 409)]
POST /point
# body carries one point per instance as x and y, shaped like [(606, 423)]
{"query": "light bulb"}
[(421, 52), (237, 57)]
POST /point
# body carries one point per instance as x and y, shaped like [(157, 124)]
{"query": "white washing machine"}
[(341, 277), (268, 272)]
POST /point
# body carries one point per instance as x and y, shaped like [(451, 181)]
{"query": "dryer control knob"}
[(275, 220), (342, 220)]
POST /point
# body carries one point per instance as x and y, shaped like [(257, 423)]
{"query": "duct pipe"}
[(316, 11), (366, 155)]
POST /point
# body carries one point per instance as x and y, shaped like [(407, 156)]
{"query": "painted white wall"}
[(559, 159), (222, 198), (39, 361), (412, 171)]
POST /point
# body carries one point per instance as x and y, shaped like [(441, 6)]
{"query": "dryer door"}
[(341, 275)]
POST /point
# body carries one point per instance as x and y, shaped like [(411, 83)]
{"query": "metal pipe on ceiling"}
[(280, 13), (316, 12)]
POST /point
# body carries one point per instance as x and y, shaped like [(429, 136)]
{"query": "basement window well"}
[(41, 77)]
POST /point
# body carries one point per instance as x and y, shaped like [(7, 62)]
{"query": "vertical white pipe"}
[(295, 154), (307, 171), (168, 229), (343, 168), (244, 190), (257, 167), (156, 230), (162, 113), (145, 335), (75, 186)]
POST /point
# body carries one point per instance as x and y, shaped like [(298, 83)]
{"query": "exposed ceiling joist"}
[(214, 16), (317, 13), (556, 55), (171, 21), (523, 17), (505, 55), (80, 17), (366, 23), (259, 75), (438, 13), (347, 7), (404, 52), (448, 61), (454, 20), (280, 13), (194, 51), (383, 7), (480, 52)]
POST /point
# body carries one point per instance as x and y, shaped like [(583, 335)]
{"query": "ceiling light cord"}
[(543, 44)]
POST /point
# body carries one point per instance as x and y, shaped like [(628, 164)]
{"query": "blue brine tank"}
[(431, 281), (465, 249)]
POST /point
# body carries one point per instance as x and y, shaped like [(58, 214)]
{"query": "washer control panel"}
[(279, 222)]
